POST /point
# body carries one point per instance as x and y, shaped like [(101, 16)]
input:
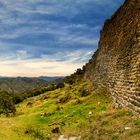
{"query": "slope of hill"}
[(75, 111), (21, 84)]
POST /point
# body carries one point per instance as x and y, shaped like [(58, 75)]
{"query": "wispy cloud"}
[(46, 65)]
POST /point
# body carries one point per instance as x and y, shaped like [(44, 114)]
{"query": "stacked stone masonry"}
[(116, 63)]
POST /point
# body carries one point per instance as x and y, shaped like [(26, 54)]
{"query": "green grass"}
[(90, 116)]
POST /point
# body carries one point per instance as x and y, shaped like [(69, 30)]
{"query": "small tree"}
[(60, 85), (79, 71), (6, 104)]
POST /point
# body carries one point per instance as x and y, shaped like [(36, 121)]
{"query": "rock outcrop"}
[(116, 63)]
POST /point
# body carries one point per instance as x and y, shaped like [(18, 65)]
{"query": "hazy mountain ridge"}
[(21, 84), (49, 79)]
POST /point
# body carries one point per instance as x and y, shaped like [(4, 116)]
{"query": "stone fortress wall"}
[(116, 63)]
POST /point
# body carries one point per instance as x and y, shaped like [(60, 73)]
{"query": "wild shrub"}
[(78, 101), (65, 98), (137, 122), (60, 85), (83, 92), (17, 98), (115, 137), (36, 133), (58, 108), (6, 104), (70, 79)]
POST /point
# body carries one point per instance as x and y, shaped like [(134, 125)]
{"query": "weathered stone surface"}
[(116, 63)]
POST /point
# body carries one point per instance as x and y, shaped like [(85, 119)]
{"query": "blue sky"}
[(50, 37)]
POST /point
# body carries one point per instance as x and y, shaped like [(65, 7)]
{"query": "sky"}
[(50, 37)]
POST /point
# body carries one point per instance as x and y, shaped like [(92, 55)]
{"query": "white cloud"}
[(79, 39), (20, 66), (77, 56), (22, 54), (37, 67)]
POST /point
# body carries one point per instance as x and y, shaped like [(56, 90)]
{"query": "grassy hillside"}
[(73, 111)]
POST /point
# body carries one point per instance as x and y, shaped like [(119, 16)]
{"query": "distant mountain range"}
[(22, 84), (50, 79)]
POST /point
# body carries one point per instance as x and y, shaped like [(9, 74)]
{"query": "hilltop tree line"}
[(77, 76)]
